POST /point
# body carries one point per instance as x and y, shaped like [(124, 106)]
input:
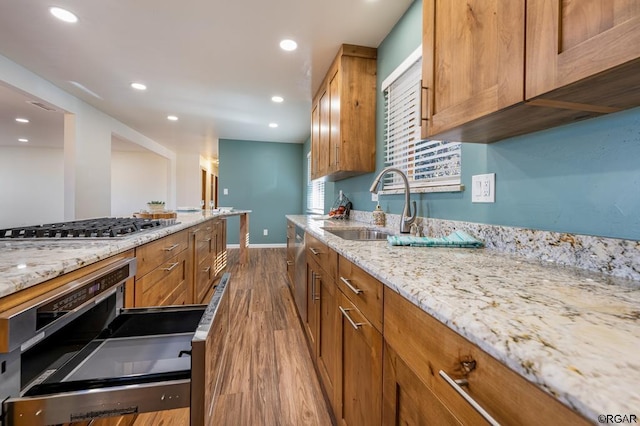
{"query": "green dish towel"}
[(455, 239)]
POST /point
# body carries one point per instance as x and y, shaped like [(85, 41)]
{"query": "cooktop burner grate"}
[(106, 227)]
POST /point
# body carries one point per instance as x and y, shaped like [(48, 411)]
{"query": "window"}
[(315, 191), (430, 165)]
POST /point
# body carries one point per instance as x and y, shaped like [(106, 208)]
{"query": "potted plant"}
[(156, 206)]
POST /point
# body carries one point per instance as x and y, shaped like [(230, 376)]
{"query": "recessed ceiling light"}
[(172, 118), (277, 99), (273, 125), (288, 45), (63, 15), (23, 140), (139, 86), (22, 120)]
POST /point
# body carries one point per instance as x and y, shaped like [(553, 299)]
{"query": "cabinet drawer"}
[(326, 258), (163, 285), (428, 347), (362, 289), (155, 253), (203, 277)]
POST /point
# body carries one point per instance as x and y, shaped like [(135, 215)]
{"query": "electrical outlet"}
[(225, 191), (483, 188), (265, 232), (374, 197)]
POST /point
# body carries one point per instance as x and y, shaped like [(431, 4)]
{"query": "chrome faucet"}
[(407, 217)]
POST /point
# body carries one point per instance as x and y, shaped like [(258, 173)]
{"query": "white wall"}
[(137, 178), (189, 180), (31, 186), (88, 133)]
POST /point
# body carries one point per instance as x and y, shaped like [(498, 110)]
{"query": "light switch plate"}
[(225, 191), (483, 188), (374, 197)]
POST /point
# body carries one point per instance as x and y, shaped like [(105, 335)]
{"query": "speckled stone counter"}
[(575, 333), (30, 262)]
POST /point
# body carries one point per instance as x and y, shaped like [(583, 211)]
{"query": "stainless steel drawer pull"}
[(171, 248), (345, 312), (207, 269), (314, 251), (351, 287), (207, 240), (289, 263), (457, 386), (170, 268)]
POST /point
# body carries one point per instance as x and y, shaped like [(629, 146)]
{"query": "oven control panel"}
[(56, 308)]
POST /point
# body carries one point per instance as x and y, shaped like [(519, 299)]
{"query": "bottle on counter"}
[(379, 218)]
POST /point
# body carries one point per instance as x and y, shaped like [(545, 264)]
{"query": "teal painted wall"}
[(264, 177), (581, 178)]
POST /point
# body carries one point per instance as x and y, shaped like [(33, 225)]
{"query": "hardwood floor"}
[(269, 377)]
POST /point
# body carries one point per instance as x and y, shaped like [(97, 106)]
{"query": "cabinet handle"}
[(423, 102), (315, 293), (298, 237), (313, 287), (457, 386), (207, 240), (207, 269), (354, 324), (314, 251), (170, 268), (195, 231), (351, 287), (337, 156), (289, 263), (171, 248)]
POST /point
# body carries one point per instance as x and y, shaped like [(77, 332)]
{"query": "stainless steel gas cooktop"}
[(105, 227)]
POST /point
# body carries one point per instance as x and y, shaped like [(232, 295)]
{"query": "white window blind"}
[(315, 191), (429, 164)]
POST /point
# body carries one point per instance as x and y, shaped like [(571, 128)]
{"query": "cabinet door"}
[(359, 394), (571, 40), (324, 105), (473, 60), (166, 285), (327, 349), (315, 141), (334, 123), (407, 400), (311, 318)]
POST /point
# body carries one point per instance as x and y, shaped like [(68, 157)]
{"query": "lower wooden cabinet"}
[(407, 400), (445, 365), (163, 272), (359, 390)]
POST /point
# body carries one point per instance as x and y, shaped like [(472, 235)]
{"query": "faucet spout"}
[(408, 216)]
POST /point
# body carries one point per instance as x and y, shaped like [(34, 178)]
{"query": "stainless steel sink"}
[(358, 234)]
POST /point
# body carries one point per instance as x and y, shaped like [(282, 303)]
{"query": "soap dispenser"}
[(378, 216)]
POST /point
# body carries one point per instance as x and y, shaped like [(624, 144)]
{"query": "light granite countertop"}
[(25, 263), (574, 333)]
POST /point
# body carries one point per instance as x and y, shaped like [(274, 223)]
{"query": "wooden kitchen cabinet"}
[(163, 269), (322, 315), (343, 138), (421, 347), (291, 254), (209, 257), (359, 390), (493, 70), (568, 41), (473, 61)]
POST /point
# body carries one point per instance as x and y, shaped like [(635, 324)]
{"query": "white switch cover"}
[(483, 188), (374, 197), (226, 191), (265, 232)]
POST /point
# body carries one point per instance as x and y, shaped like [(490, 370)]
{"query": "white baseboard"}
[(280, 245)]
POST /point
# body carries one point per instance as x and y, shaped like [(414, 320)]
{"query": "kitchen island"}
[(571, 332), (27, 263)]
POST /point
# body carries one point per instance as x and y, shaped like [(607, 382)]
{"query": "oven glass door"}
[(142, 362)]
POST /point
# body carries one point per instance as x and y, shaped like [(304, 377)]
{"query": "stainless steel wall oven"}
[(77, 354)]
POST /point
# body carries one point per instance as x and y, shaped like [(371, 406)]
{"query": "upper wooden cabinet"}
[(343, 134), (493, 70), (568, 41), (473, 60)]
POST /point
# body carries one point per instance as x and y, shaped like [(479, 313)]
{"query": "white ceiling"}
[(213, 63)]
